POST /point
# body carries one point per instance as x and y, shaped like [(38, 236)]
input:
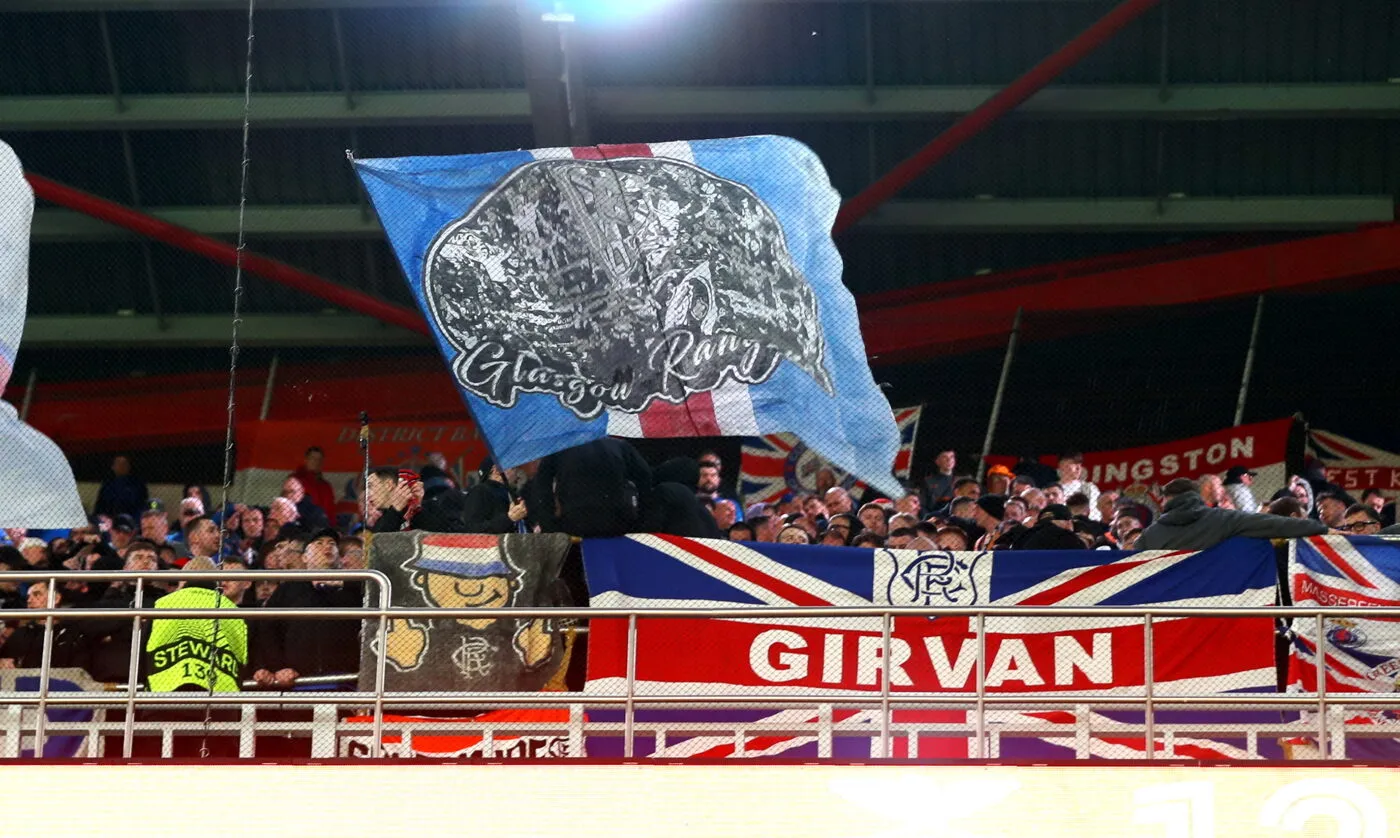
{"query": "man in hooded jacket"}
[(1187, 523)]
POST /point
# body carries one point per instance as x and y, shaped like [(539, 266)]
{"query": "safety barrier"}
[(985, 728)]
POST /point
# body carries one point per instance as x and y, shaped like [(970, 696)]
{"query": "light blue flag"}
[(662, 290)]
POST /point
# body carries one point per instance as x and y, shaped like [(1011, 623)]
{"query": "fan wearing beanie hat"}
[(40, 492), (987, 512), (993, 507)]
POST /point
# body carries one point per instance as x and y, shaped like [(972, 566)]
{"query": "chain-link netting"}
[(1034, 394)]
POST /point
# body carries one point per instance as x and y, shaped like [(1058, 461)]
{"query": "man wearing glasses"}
[(1361, 520)]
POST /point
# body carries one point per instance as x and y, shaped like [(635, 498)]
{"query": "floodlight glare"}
[(600, 10)]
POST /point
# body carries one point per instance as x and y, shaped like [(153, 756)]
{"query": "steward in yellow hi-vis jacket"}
[(197, 654)]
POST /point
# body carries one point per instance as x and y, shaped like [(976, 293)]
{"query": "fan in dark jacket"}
[(122, 493), (489, 506), (672, 506), (24, 649), (591, 490), (1053, 530), (286, 650), (1187, 523)]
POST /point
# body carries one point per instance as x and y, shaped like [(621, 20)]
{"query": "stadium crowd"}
[(1033, 506), (600, 489)]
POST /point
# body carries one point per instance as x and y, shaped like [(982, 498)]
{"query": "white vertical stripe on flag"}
[(734, 409), (622, 423), (679, 150), (553, 153)]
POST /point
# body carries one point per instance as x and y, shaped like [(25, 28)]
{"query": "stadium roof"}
[(1200, 118)]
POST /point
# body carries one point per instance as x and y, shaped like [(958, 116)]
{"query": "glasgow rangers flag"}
[(759, 656), (774, 465), (671, 289), (1360, 656)]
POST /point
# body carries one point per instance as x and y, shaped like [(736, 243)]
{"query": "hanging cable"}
[(233, 350)]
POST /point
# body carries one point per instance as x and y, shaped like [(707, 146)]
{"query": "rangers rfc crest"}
[(614, 283)]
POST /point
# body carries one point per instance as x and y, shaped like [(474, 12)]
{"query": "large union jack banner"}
[(776, 464), (763, 656), (1359, 656)]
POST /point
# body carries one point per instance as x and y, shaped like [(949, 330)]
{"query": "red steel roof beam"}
[(226, 254), (977, 120)]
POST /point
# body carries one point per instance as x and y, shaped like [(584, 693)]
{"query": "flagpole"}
[(1249, 361), (364, 479), (268, 388), (1001, 393)]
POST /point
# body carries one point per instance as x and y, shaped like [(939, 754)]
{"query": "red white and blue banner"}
[(648, 290), (1355, 466), (1141, 472), (774, 465), (1359, 655), (762, 656)]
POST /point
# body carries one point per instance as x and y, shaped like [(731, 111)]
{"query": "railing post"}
[(381, 665), (132, 670), (981, 721), (885, 686), (629, 720), (1150, 737), (14, 732), (576, 730), (45, 661), (323, 732), (825, 718), (1321, 688), (247, 732)]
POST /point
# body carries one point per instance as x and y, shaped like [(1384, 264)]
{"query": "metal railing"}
[(978, 701), (49, 613)]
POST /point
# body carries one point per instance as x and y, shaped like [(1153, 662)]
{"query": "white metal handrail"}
[(887, 698), (50, 613)]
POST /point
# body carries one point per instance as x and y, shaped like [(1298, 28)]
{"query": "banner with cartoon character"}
[(1360, 655), (759, 656), (469, 571), (669, 289)]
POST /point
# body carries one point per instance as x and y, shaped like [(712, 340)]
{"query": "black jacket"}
[(109, 641), (311, 647), (1047, 536), (26, 646), (486, 508), (121, 496), (1188, 524), (936, 490), (441, 511), (311, 516), (672, 506), (673, 509), (597, 486)]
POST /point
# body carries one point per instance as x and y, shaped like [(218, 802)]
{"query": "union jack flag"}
[(1359, 655), (844, 656), (775, 464), (1354, 465)]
